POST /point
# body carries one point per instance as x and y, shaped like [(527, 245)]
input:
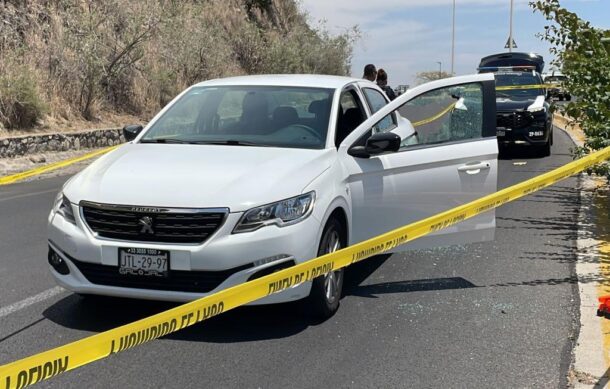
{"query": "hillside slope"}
[(63, 60)]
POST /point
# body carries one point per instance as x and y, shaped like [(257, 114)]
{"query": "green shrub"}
[(93, 57), (21, 105), (582, 52)]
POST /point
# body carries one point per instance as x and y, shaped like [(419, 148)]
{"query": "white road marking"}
[(19, 305), (29, 194)]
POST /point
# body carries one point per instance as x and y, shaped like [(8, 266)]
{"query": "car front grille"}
[(514, 120), (151, 224), (177, 280)]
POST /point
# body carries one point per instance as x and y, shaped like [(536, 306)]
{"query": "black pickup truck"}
[(523, 108)]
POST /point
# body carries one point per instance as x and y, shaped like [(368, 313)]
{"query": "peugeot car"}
[(239, 177)]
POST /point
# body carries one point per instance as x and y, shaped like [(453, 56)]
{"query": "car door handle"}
[(473, 168)]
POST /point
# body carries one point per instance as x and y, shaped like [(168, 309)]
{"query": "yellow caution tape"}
[(53, 166), (518, 87), (50, 363), (498, 88), (435, 117)]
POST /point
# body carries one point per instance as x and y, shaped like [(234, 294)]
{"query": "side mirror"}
[(378, 143), (459, 105), (131, 131)]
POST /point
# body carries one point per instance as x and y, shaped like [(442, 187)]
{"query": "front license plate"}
[(501, 133), (143, 262)]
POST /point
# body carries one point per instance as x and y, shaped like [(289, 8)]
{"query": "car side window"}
[(447, 114), (376, 101), (351, 114)]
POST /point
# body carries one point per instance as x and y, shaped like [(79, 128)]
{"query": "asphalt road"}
[(497, 314)]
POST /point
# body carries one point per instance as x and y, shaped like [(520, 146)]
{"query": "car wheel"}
[(93, 298), (569, 97), (326, 290), (545, 150)]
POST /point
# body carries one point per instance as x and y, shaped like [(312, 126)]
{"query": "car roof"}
[(298, 80), (513, 59)]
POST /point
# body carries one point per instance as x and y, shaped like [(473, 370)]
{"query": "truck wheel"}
[(326, 289), (94, 298), (545, 150)]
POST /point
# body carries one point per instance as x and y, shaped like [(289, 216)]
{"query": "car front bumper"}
[(523, 128), (524, 136), (250, 252)]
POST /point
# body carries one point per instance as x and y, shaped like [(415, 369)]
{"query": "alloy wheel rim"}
[(332, 280)]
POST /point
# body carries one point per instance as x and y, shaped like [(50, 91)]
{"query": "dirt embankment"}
[(91, 64)]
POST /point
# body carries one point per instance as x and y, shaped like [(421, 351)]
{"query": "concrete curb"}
[(573, 130), (53, 166), (589, 368), (589, 365)]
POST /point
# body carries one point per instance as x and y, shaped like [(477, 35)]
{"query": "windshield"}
[(247, 115), (518, 85)]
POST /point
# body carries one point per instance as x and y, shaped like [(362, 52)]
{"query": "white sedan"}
[(239, 177)]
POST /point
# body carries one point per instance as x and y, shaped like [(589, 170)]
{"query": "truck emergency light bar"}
[(507, 68)]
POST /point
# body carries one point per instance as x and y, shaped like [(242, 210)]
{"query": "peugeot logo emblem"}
[(146, 222)]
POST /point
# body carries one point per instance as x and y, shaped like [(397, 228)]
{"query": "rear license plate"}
[(143, 262), (501, 133)]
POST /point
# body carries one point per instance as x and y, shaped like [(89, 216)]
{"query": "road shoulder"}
[(589, 367)]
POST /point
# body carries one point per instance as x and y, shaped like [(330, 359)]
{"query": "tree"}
[(583, 53), (423, 77)]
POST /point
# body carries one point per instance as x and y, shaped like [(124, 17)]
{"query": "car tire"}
[(503, 150), (326, 290), (545, 150), (93, 298), (569, 97)]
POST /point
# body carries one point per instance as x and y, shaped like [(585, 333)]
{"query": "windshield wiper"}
[(166, 140), (229, 142)]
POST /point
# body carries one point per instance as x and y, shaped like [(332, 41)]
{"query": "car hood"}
[(506, 104), (198, 176)]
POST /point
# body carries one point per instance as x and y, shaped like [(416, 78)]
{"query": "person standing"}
[(370, 72), (382, 82)]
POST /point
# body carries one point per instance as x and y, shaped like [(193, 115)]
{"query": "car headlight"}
[(281, 213), (536, 109), (63, 207)]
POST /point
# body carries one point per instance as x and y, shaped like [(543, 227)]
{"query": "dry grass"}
[(90, 62)]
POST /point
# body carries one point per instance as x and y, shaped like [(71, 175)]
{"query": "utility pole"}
[(510, 34), (440, 69), (453, 41)]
